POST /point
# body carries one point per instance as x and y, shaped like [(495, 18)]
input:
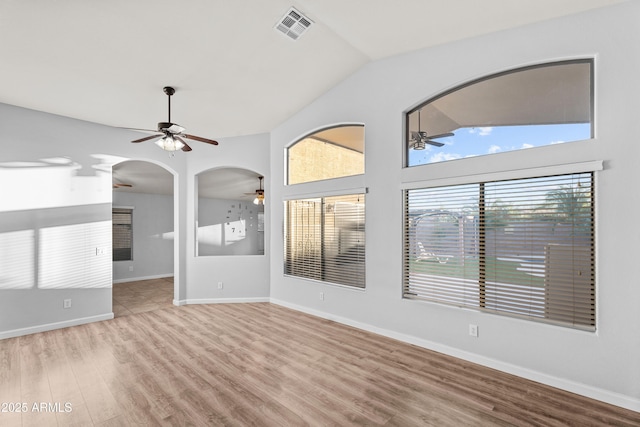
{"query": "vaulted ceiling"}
[(107, 61)]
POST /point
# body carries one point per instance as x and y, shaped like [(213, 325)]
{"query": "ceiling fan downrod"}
[(169, 91)]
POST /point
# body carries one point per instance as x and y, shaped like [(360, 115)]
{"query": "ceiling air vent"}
[(293, 24)]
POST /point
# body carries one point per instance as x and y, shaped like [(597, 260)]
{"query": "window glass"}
[(325, 239), (524, 108), (520, 247), (122, 234), (330, 153)]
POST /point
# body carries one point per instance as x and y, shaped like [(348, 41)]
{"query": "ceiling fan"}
[(259, 200), (172, 135), (420, 139)]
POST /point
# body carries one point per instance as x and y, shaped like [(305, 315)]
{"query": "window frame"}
[(122, 211), (589, 61), (320, 269), (287, 161), (583, 167)]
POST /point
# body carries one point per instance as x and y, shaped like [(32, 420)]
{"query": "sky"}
[(478, 141)]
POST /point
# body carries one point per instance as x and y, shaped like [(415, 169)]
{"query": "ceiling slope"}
[(107, 62)]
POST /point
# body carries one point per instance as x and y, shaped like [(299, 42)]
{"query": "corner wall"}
[(56, 215), (245, 278), (602, 365)]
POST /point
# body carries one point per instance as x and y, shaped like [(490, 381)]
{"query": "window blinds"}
[(325, 240), (522, 247), (122, 234)]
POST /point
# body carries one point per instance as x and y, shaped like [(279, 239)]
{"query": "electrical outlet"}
[(473, 330), (66, 303), (101, 251), (220, 285), (321, 296), (131, 268)]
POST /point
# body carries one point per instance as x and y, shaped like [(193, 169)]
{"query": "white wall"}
[(603, 364), (152, 237), (228, 227), (56, 175), (79, 196), (243, 277)]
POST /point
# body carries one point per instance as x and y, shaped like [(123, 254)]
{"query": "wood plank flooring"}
[(264, 365), (142, 295)]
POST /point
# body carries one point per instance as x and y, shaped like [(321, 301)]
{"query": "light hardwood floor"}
[(142, 295), (265, 365)]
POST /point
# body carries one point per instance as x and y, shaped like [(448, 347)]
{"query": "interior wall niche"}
[(230, 219)]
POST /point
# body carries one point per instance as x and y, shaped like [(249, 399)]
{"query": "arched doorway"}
[(143, 237)]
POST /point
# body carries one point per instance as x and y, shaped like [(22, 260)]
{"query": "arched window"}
[(325, 234), (514, 242), (331, 153), (523, 108)]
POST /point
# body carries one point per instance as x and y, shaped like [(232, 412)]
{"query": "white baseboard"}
[(57, 325), (226, 300), (136, 279), (602, 395)]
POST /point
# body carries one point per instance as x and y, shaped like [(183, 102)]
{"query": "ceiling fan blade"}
[(201, 139), (118, 185), (186, 146), (442, 135), (138, 129), (146, 138), (436, 143)]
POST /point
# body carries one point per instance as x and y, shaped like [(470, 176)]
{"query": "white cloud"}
[(482, 131), (494, 149), (557, 142), (441, 157), (525, 145)]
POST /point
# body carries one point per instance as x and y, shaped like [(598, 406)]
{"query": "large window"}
[(331, 153), (325, 239), (524, 108), (122, 222), (521, 247)]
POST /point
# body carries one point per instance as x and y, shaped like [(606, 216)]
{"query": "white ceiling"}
[(107, 61), (142, 177), (234, 74)]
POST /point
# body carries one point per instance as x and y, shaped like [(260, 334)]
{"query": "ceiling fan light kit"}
[(419, 145), (168, 143), (171, 135), (259, 200)]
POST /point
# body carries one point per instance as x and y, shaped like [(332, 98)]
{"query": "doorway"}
[(142, 278)]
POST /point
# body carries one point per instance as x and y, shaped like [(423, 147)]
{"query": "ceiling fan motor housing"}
[(162, 126)]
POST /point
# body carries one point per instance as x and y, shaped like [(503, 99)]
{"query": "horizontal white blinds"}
[(122, 234), (325, 239), (521, 247)]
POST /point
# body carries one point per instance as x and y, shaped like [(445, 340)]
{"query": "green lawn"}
[(495, 270)]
